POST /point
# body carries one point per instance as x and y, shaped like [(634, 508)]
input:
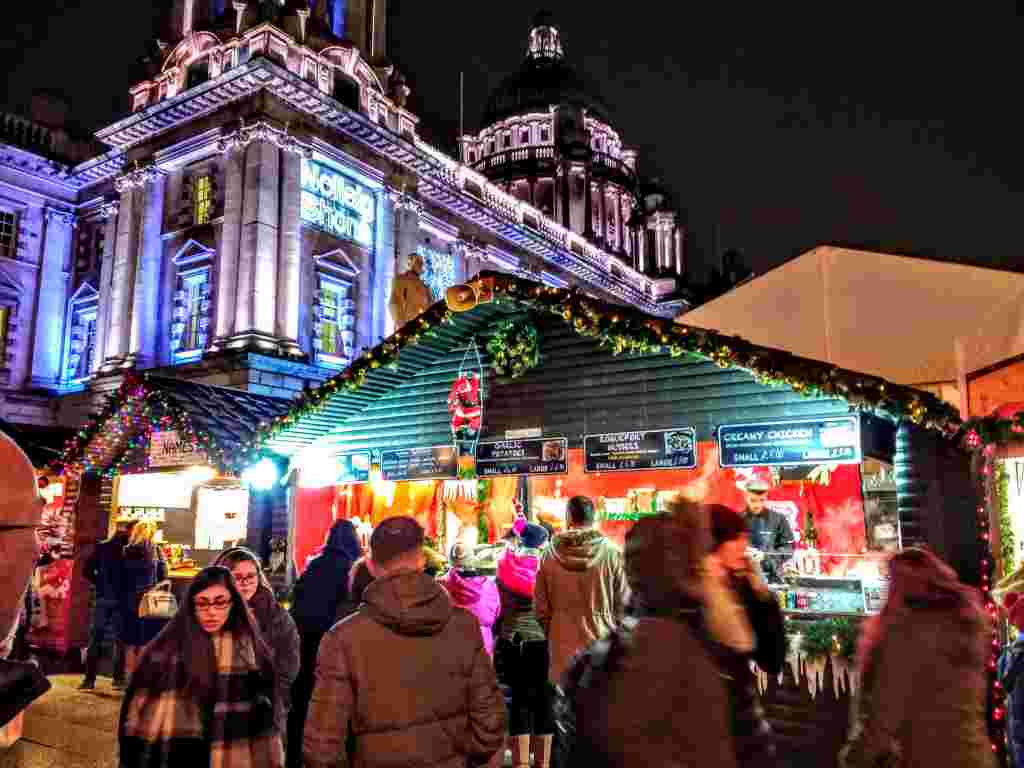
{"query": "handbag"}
[(158, 602), (21, 683)]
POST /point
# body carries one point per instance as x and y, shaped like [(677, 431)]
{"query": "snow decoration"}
[(454, 490), (761, 676), (814, 668), (794, 658)]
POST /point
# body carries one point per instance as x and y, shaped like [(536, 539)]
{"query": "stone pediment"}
[(337, 261)]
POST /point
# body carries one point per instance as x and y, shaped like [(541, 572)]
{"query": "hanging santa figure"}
[(464, 407)]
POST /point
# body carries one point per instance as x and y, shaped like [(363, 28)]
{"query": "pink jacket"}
[(479, 596), (518, 572)]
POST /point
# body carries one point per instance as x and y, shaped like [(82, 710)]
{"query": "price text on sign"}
[(831, 440), (523, 457), (642, 450), (438, 462)]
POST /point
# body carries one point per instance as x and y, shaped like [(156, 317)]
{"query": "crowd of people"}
[(576, 653)]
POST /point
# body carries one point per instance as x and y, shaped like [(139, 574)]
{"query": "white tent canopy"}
[(894, 316)]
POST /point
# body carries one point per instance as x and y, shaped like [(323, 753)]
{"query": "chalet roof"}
[(400, 385)]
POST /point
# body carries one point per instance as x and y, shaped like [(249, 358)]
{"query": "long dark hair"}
[(194, 645)]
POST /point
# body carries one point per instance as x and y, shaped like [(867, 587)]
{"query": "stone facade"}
[(246, 222)]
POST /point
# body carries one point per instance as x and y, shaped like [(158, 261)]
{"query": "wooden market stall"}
[(573, 395), (161, 450)]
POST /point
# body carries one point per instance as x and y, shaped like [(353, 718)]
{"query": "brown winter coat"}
[(408, 675), (922, 699), (580, 595), (660, 703)]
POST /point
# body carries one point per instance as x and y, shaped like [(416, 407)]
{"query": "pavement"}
[(68, 728)]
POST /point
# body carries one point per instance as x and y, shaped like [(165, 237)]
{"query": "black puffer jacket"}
[(324, 584)]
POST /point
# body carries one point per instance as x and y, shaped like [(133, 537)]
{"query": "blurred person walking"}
[(745, 622), (650, 694), (923, 676)]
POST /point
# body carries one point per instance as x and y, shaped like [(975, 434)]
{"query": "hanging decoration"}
[(814, 645), (464, 407), (515, 347)]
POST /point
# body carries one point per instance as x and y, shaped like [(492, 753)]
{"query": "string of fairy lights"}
[(108, 443)]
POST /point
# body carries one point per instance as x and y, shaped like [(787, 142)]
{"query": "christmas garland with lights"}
[(628, 330), (127, 423), (826, 637), (514, 348)]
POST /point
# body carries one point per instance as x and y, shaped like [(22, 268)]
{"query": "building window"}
[(80, 343), (438, 271), (472, 156), (8, 234), (506, 141), (543, 134), (202, 199), (191, 313), (490, 147), (524, 137), (334, 322), (5, 318)]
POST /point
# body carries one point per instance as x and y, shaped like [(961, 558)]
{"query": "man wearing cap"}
[(769, 531), (406, 676)]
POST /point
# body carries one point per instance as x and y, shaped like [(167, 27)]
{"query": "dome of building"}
[(544, 80)]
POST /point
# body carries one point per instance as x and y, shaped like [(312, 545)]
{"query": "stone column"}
[(566, 180), (407, 225), (603, 191), (145, 308), (122, 281), (51, 302), (257, 258), (680, 260), (109, 214), (226, 284), (588, 205), (641, 247), (289, 254)]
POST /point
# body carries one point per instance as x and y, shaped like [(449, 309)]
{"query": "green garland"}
[(514, 348), (1001, 502), (628, 330), (826, 637)]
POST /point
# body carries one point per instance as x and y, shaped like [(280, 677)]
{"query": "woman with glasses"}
[(202, 694), (274, 623)]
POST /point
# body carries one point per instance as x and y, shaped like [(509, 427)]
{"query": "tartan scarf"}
[(163, 725)]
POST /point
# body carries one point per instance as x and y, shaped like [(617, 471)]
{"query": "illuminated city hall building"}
[(242, 225)]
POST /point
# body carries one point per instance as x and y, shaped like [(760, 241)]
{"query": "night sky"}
[(775, 133)]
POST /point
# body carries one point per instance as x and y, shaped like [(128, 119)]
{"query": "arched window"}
[(198, 73)]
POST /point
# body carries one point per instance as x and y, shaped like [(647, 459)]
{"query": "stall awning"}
[(216, 420), (41, 444), (603, 367)]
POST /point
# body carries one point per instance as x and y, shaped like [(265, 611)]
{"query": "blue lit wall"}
[(338, 18)]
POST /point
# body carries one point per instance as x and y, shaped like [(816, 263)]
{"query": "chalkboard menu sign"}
[(523, 457), (438, 462), (833, 440), (647, 449)]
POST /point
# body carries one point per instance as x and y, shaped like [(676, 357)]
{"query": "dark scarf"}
[(166, 724)]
